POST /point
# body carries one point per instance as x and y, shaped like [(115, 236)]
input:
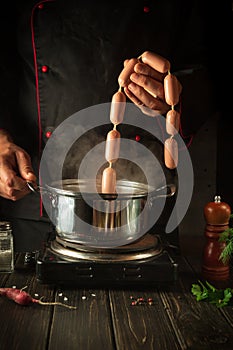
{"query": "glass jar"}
[(6, 247)]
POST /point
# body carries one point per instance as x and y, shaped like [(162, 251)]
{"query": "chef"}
[(59, 58)]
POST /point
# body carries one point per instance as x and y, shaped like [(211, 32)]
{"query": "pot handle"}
[(38, 190), (41, 190), (165, 191)]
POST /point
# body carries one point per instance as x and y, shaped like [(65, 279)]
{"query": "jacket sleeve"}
[(8, 68)]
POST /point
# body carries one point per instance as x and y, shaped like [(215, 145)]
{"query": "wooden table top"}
[(106, 319)]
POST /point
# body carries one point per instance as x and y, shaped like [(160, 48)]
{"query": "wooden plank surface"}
[(54, 327), (88, 327), (106, 319), (176, 321), (142, 326), (24, 327), (200, 325)]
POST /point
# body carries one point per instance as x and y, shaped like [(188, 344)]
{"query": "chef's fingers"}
[(140, 96), (144, 69), (126, 61), (13, 195), (24, 165), (152, 86), (12, 186)]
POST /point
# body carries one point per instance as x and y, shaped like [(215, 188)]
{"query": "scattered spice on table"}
[(141, 301)]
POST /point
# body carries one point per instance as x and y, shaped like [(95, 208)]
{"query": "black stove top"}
[(143, 263)]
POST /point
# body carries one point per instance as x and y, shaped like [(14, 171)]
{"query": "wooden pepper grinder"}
[(217, 216)]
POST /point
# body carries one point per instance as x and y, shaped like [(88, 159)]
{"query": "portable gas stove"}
[(143, 262)]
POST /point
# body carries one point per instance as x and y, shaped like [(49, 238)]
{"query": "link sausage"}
[(123, 78), (171, 153), (172, 89), (172, 122), (112, 147), (109, 180), (117, 109), (155, 61)]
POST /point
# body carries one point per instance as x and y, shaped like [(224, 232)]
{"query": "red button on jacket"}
[(44, 69), (48, 134)]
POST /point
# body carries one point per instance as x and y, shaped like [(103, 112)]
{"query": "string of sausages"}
[(172, 90), (112, 146)]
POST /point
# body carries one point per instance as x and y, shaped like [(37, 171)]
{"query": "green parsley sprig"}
[(227, 237), (207, 292)]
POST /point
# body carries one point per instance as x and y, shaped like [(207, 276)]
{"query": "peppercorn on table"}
[(163, 317)]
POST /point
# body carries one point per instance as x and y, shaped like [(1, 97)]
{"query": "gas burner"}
[(146, 247)]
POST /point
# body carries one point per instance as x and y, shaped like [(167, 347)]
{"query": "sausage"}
[(109, 180), (172, 122), (117, 109), (123, 78), (171, 153), (112, 147), (172, 89), (155, 61)]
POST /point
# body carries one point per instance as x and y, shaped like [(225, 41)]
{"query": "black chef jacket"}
[(60, 57)]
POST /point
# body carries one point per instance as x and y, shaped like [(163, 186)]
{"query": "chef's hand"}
[(15, 169), (146, 89)]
